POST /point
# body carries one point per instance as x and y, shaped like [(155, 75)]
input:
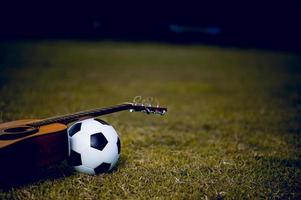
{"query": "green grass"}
[(232, 130)]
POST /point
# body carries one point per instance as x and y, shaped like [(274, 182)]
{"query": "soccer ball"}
[(94, 146)]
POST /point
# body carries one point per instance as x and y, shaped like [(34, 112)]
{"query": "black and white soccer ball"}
[(94, 146)]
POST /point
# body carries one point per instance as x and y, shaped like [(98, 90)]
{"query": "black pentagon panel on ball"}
[(118, 145), (103, 167), (75, 158), (101, 121), (98, 141), (74, 129)]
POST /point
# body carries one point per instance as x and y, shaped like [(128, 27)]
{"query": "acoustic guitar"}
[(32, 143)]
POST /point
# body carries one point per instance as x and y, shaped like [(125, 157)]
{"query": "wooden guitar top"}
[(45, 129)]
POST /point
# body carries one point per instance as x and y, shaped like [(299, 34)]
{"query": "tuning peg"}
[(137, 100)]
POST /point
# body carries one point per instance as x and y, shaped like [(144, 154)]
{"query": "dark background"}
[(264, 24)]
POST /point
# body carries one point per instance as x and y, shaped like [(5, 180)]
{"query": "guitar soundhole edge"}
[(17, 132)]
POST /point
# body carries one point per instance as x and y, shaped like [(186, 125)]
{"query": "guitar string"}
[(76, 115), (80, 114), (66, 118)]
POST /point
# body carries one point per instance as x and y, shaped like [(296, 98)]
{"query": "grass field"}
[(232, 130)]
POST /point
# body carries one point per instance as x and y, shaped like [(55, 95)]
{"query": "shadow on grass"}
[(18, 178)]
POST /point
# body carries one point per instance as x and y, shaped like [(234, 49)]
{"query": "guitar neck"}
[(66, 119)]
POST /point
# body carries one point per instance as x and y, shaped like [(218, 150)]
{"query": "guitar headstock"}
[(146, 106)]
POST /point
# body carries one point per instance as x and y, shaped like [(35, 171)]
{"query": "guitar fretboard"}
[(65, 119)]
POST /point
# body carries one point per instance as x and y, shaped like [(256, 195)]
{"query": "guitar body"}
[(29, 148)]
